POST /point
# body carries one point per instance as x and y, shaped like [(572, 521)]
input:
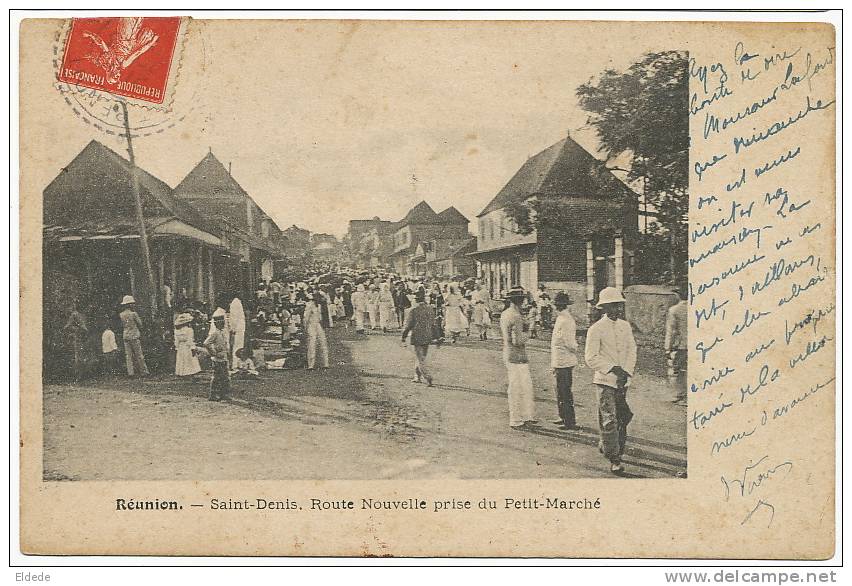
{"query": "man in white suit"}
[(611, 353)]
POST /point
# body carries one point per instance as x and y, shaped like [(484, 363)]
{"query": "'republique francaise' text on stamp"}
[(125, 56)]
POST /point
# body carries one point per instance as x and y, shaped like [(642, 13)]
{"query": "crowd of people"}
[(230, 341)]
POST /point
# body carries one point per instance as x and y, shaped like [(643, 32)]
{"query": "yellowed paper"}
[(326, 121)]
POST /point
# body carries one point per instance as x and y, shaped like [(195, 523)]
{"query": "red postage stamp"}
[(126, 56)]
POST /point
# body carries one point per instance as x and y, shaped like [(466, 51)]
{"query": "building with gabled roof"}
[(452, 216), (454, 260), (422, 213), (367, 241), (591, 251), (357, 228), (92, 244), (212, 189), (92, 252), (296, 242), (422, 224), (445, 258), (96, 187)]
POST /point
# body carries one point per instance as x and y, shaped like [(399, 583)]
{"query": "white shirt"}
[(563, 342), (677, 328), (108, 341), (226, 329), (359, 301), (312, 316), (610, 343)]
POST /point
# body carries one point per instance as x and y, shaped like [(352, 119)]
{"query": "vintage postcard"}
[(463, 288)]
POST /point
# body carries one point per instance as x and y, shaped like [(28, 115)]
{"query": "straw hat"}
[(609, 295), (127, 300), (182, 319), (219, 313), (515, 293)]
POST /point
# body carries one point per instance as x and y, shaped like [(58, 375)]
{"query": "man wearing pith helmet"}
[(611, 353)]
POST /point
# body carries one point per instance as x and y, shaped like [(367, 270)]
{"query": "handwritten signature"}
[(753, 477), (760, 505)]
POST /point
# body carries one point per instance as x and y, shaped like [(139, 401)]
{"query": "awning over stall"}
[(177, 228)]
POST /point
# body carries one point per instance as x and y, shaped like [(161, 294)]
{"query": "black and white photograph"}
[(482, 283), (427, 285)]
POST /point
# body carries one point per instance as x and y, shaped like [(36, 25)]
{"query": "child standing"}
[(467, 309), (534, 319), (220, 350), (481, 318), (109, 348)]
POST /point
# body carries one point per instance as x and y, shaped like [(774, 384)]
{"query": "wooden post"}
[(140, 217), (619, 262), (132, 282), (590, 272), (173, 274), (199, 272), (211, 287), (161, 273), (590, 280)]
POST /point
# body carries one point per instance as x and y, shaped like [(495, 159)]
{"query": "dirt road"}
[(361, 419)]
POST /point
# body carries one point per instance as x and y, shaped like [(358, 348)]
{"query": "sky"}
[(328, 121)]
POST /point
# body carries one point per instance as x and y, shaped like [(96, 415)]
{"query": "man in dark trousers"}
[(563, 359), (421, 320), (400, 303)]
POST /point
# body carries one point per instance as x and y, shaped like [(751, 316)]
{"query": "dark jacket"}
[(400, 299), (420, 320)]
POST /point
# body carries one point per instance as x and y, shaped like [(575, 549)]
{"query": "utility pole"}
[(140, 217)]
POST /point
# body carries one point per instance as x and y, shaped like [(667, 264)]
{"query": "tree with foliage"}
[(643, 113), (640, 114)]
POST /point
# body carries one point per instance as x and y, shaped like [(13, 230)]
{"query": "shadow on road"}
[(339, 395)]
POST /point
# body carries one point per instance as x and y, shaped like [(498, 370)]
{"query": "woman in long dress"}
[(456, 322), (313, 319), (186, 363), (359, 307), (77, 331), (386, 307), (373, 307)]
